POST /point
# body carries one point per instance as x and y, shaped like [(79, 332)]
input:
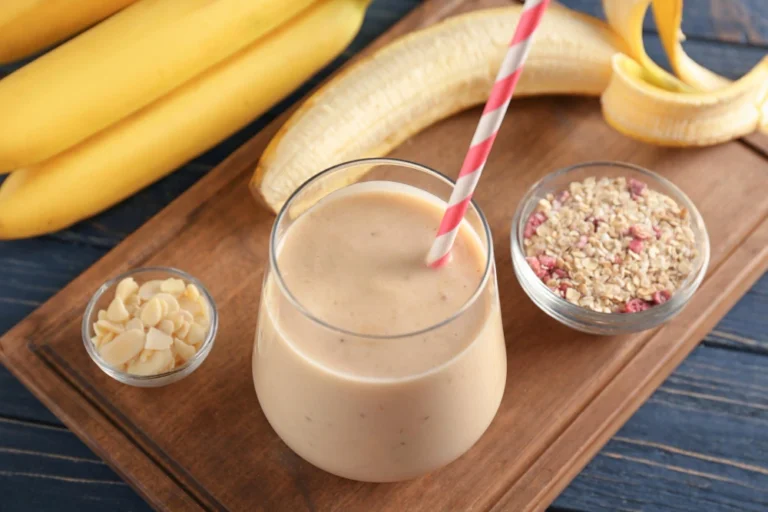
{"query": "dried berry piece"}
[(661, 297), (536, 267), (548, 262), (637, 188), (636, 245), (535, 220), (636, 305)]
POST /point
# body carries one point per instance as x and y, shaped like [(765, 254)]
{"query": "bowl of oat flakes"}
[(608, 247)]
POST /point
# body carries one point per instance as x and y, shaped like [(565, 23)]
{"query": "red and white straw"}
[(486, 131)]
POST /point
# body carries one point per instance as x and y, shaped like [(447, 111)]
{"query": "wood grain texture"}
[(108, 229), (679, 451), (55, 464)]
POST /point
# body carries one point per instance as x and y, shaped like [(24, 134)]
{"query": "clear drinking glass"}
[(429, 398)]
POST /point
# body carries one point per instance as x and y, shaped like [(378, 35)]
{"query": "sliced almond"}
[(183, 331), (149, 289), (152, 312), (107, 338), (123, 348), (157, 340), (176, 319), (196, 334), (205, 309), (101, 315), (126, 288), (157, 361), (183, 350), (166, 326), (117, 312), (106, 326), (192, 292), (172, 305), (134, 323), (187, 304), (173, 286), (186, 316)]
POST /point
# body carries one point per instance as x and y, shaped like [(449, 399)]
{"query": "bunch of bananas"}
[(128, 101), (428, 75), (123, 104)]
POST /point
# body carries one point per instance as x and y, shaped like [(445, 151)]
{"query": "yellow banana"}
[(669, 17), (645, 102), (28, 26), (142, 148), (635, 107), (94, 80), (381, 100), (626, 18)]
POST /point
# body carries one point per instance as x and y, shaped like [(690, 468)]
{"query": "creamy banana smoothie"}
[(367, 363)]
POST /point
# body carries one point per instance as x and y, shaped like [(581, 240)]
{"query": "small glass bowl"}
[(584, 319), (101, 300)]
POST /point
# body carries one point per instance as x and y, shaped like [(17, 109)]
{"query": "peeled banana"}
[(124, 64), (28, 26), (142, 148), (380, 101), (383, 99)]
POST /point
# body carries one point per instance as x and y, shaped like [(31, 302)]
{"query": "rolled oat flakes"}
[(610, 245)]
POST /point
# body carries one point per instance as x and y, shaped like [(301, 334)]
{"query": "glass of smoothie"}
[(368, 363)]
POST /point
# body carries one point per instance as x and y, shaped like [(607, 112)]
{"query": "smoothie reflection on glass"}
[(368, 363)]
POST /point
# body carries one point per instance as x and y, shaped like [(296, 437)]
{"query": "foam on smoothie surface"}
[(357, 261)]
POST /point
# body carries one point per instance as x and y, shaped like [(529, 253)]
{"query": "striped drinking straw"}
[(486, 131)]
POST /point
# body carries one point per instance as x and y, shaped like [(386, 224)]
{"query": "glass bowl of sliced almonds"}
[(150, 327)]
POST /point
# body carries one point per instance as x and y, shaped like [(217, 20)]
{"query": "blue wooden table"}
[(700, 443)]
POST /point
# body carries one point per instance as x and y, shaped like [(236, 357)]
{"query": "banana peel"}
[(669, 18), (636, 107), (698, 109), (626, 19)]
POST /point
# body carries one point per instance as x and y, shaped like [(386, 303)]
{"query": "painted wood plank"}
[(699, 443), (735, 21), (17, 402), (746, 325), (48, 468), (729, 60), (31, 271)]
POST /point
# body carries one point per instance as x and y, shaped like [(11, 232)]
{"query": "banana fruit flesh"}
[(52, 22), (99, 78), (379, 101), (142, 148)]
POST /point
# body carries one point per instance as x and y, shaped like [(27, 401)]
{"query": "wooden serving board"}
[(204, 444)]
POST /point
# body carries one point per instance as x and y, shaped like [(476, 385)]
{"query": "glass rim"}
[(373, 162)]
